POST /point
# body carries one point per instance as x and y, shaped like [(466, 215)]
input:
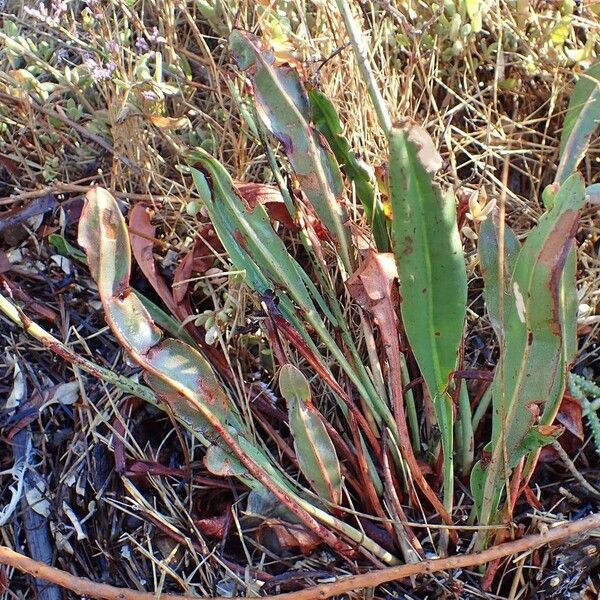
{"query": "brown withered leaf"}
[(373, 286), (141, 234), (291, 536), (200, 258), (269, 197), (570, 416)]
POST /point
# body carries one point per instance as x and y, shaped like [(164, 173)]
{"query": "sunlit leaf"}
[(315, 451)]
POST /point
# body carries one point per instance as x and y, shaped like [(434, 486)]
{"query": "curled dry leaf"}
[(291, 536), (373, 286), (198, 260), (141, 234), (570, 416), (269, 197)]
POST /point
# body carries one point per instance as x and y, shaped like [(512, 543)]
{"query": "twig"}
[(68, 188), (85, 587), (570, 465)]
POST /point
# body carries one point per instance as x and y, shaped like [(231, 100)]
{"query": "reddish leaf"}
[(531, 498), (198, 260), (270, 197), (291, 536), (145, 468), (141, 246), (373, 286), (10, 166), (570, 416), (214, 526)]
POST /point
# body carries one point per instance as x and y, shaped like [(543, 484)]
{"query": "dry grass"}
[(144, 530)]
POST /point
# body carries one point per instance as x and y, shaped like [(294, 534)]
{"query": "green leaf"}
[(254, 247), (583, 116), (488, 260), (282, 103), (157, 314), (293, 384), (535, 439), (315, 451), (328, 123), (250, 241), (103, 234), (431, 270), (532, 370), (429, 256), (64, 248), (222, 463)]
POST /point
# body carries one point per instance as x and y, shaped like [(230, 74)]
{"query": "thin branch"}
[(85, 587)]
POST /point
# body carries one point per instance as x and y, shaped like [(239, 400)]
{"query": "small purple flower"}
[(155, 36), (142, 45), (112, 46), (148, 95), (97, 71)]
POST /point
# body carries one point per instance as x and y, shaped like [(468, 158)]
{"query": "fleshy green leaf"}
[(532, 370), (583, 116), (488, 260), (282, 102), (431, 270), (315, 451)]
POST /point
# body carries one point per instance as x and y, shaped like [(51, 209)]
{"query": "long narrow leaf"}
[(532, 370), (431, 270), (328, 123), (283, 105), (582, 119)]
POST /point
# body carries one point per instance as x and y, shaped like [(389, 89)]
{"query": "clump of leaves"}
[(375, 411), (530, 295)]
